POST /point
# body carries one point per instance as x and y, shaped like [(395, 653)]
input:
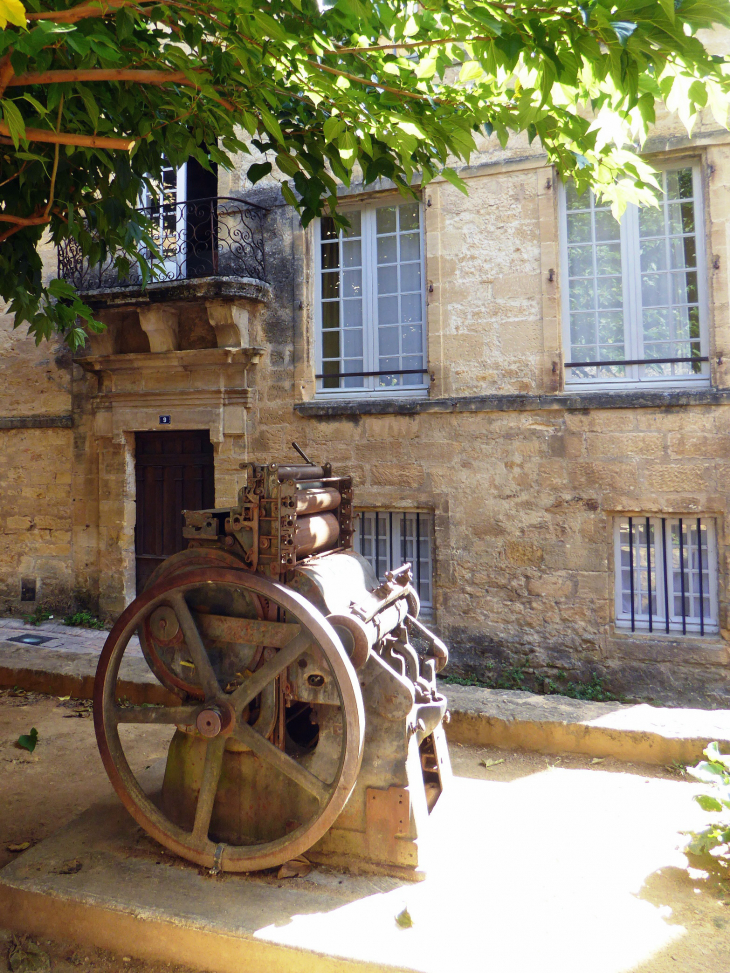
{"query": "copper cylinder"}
[(316, 533), (317, 500)]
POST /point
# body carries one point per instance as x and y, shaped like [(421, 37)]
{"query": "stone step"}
[(481, 717)]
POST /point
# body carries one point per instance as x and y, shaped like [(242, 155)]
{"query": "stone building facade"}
[(566, 520)]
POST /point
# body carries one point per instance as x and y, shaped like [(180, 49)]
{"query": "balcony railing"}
[(216, 237)]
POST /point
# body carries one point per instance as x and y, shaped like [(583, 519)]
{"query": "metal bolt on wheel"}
[(217, 712)]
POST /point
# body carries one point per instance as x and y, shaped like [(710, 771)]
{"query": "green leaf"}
[(623, 30), (708, 803), (14, 121), (470, 71), (28, 741), (455, 180), (404, 920), (333, 126), (347, 145), (258, 170)]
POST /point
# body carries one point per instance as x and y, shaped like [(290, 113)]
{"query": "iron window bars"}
[(389, 538), (216, 237), (666, 574)]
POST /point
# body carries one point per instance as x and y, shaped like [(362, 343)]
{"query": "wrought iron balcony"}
[(216, 237)]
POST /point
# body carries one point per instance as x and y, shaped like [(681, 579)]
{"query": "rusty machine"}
[(300, 716)]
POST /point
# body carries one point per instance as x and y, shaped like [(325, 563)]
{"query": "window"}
[(166, 209), (635, 300), (389, 538), (370, 301), (666, 574)]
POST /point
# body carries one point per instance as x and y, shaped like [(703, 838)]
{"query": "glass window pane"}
[(409, 216), (410, 246), (651, 221), (330, 256), (410, 277), (654, 289), (410, 308), (607, 228), (331, 344), (330, 285), (328, 229), (388, 310), (653, 255), (330, 315), (579, 228), (354, 220), (352, 283), (580, 261), (389, 341), (583, 329), (352, 339), (385, 219), (352, 314), (351, 253), (387, 280), (387, 250), (582, 294), (411, 339)]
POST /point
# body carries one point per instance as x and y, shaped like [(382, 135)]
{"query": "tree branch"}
[(6, 72), (66, 138), (52, 189), (99, 74), (376, 84)]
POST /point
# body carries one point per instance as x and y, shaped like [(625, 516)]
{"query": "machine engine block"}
[(303, 709)]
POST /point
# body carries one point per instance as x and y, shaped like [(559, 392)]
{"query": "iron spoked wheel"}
[(222, 715)]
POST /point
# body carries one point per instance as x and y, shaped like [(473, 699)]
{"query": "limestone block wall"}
[(36, 502)]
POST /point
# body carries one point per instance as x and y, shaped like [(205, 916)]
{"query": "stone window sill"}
[(578, 401), (675, 648)]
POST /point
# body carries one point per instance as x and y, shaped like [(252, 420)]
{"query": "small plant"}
[(716, 772), (464, 681), (40, 614), (83, 619)]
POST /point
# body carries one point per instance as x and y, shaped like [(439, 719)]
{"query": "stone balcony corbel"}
[(160, 323), (229, 320)]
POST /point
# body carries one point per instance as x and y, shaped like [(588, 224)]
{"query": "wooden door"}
[(174, 472)]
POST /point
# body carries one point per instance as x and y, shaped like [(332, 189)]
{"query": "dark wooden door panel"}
[(174, 472)]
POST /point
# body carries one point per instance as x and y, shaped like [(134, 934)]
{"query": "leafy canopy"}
[(93, 94)]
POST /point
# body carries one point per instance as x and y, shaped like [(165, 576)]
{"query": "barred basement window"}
[(666, 574), (389, 538)]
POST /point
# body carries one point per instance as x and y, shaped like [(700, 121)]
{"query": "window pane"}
[(410, 277), (670, 300), (388, 280), (410, 308), (410, 246), (387, 250), (386, 219), (409, 216)]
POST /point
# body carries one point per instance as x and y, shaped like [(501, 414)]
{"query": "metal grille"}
[(666, 574), (389, 538), (216, 237)]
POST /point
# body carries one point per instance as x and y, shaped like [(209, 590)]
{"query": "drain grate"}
[(32, 639)]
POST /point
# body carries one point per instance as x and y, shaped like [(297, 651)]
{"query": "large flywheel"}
[(242, 790)]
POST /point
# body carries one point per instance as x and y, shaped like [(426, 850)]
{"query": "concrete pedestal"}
[(556, 871)]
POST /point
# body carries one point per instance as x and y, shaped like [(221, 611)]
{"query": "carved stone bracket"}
[(230, 322), (160, 324)]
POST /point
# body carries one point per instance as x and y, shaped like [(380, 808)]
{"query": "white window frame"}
[(175, 265), (391, 555), (369, 388), (678, 626), (631, 287)]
